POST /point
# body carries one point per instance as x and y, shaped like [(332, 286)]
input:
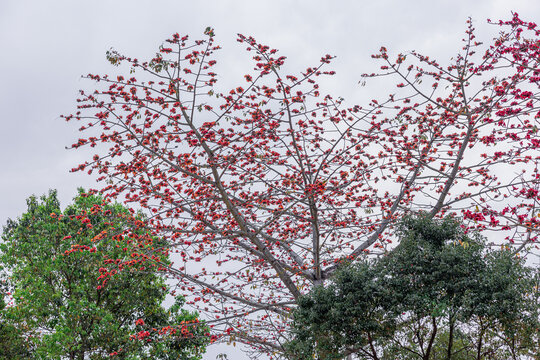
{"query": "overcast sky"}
[(46, 45)]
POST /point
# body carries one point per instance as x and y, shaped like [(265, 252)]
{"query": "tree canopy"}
[(76, 291), (274, 183), (441, 294)]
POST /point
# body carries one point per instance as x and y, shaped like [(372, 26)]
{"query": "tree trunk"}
[(450, 338), (432, 338)]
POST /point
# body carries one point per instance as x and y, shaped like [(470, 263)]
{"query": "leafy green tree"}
[(441, 294), (345, 317), (433, 272), (12, 343), (81, 294)]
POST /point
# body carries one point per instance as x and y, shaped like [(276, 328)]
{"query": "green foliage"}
[(77, 293), (436, 261), (441, 294), (327, 320), (12, 342)]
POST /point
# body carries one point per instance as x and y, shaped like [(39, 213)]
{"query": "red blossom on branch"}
[(269, 186)]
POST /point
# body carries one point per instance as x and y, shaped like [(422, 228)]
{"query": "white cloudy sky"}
[(46, 45)]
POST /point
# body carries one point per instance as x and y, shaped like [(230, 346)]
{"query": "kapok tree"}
[(262, 190)]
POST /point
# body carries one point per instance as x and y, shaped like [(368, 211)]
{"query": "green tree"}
[(433, 272), (347, 316), (441, 294), (81, 294), (12, 343)]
